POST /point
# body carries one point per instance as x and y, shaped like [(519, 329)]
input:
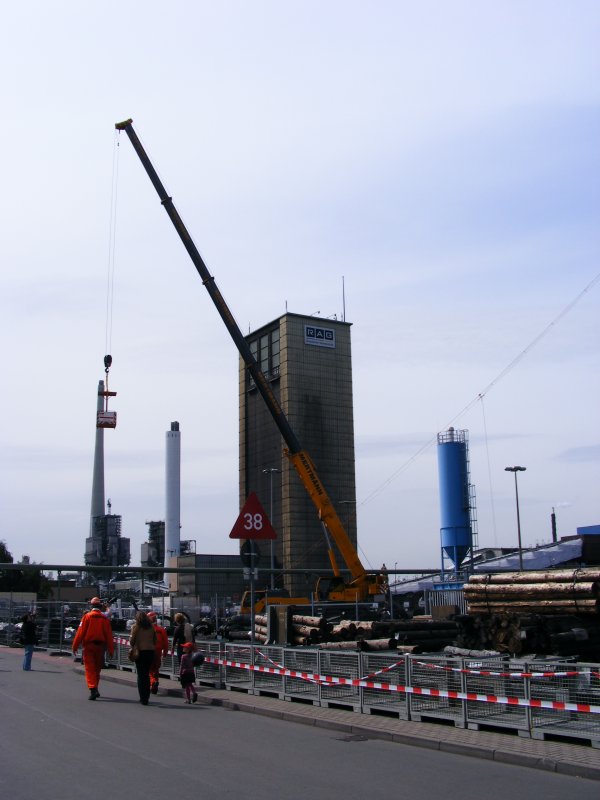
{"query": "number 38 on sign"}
[(252, 523)]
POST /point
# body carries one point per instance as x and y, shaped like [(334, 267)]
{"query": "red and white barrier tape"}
[(328, 680), (364, 677), (569, 674)]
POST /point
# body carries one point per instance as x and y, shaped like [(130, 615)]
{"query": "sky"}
[(432, 169)]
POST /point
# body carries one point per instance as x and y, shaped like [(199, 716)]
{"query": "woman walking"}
[(142, 640)]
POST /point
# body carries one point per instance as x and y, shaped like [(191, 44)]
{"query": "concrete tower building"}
[(104, 546), (97, 508), (172, 499), (309, 367)]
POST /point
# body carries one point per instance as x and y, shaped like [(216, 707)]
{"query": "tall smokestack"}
[(173, 493), (97, 508)]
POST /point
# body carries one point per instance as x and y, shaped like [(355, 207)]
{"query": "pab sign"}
[(252, 522)]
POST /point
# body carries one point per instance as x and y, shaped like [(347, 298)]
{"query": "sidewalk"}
[(560, 757)]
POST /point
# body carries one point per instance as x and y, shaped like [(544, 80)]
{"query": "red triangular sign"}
[(252, 522)]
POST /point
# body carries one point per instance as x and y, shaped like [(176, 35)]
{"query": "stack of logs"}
[(516, 634), (572, 591), (551, 612), (419, 635)]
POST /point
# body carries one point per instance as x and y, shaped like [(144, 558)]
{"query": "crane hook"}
[(107, 363)]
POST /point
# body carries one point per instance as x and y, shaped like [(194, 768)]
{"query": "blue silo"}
[(456, 497)]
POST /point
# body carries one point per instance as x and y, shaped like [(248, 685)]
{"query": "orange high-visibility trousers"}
[(93, 661), (155, 666)]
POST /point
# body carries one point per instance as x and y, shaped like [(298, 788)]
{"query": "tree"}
[(5, 556), (7, 576), (28, 579)]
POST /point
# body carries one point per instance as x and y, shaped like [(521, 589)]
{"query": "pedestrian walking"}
[(187, 673), (161, 650), (95, 636), (29, 639), (143, 641), (183, 633)]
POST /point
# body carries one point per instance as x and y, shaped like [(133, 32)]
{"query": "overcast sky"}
[(441, 159)]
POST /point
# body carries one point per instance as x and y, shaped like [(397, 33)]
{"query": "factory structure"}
[(104, 547), (309, 369), (458, 515), (308, 365)]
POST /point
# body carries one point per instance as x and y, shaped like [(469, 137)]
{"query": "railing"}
[(541, 699)]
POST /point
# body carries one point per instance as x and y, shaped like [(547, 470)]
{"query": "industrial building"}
[(217, 589), (308, 365), (104, 546), (458, 515), (153, 550)]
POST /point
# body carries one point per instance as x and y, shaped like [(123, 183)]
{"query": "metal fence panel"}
[(209, 673), (238, 677), (339, 665), (301, 660), (582, 688), (384, 669), (434, 673), (269, 657), (480, 713)]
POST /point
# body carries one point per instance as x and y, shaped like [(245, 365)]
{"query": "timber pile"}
[(499, 633), (238, 636), (419, 635), (424, 635), (572, 591), (545, 634)]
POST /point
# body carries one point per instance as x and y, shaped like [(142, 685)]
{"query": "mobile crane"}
[(362, 586)]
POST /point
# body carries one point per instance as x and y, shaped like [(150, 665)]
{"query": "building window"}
[(265, 350)]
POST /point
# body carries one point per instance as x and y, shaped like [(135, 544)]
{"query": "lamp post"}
[(270, 472), (515, 470), (391, 595), (347, 503)]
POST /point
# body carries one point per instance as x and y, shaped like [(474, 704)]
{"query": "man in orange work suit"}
[(161, 649), (95, 635)]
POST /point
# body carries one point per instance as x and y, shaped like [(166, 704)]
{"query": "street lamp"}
[(270, 472), (515, 470), (347, 503)]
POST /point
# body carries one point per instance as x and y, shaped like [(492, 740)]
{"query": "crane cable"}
[(479, 398), (110, 276)]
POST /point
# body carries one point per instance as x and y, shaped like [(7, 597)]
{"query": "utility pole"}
[(270, 472), (515, 470)]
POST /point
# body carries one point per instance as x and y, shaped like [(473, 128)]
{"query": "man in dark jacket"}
[(28, 639)]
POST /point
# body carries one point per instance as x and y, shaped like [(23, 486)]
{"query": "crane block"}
[(106, 419)]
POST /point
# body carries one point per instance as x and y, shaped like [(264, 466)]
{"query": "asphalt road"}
[(58, 744)]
